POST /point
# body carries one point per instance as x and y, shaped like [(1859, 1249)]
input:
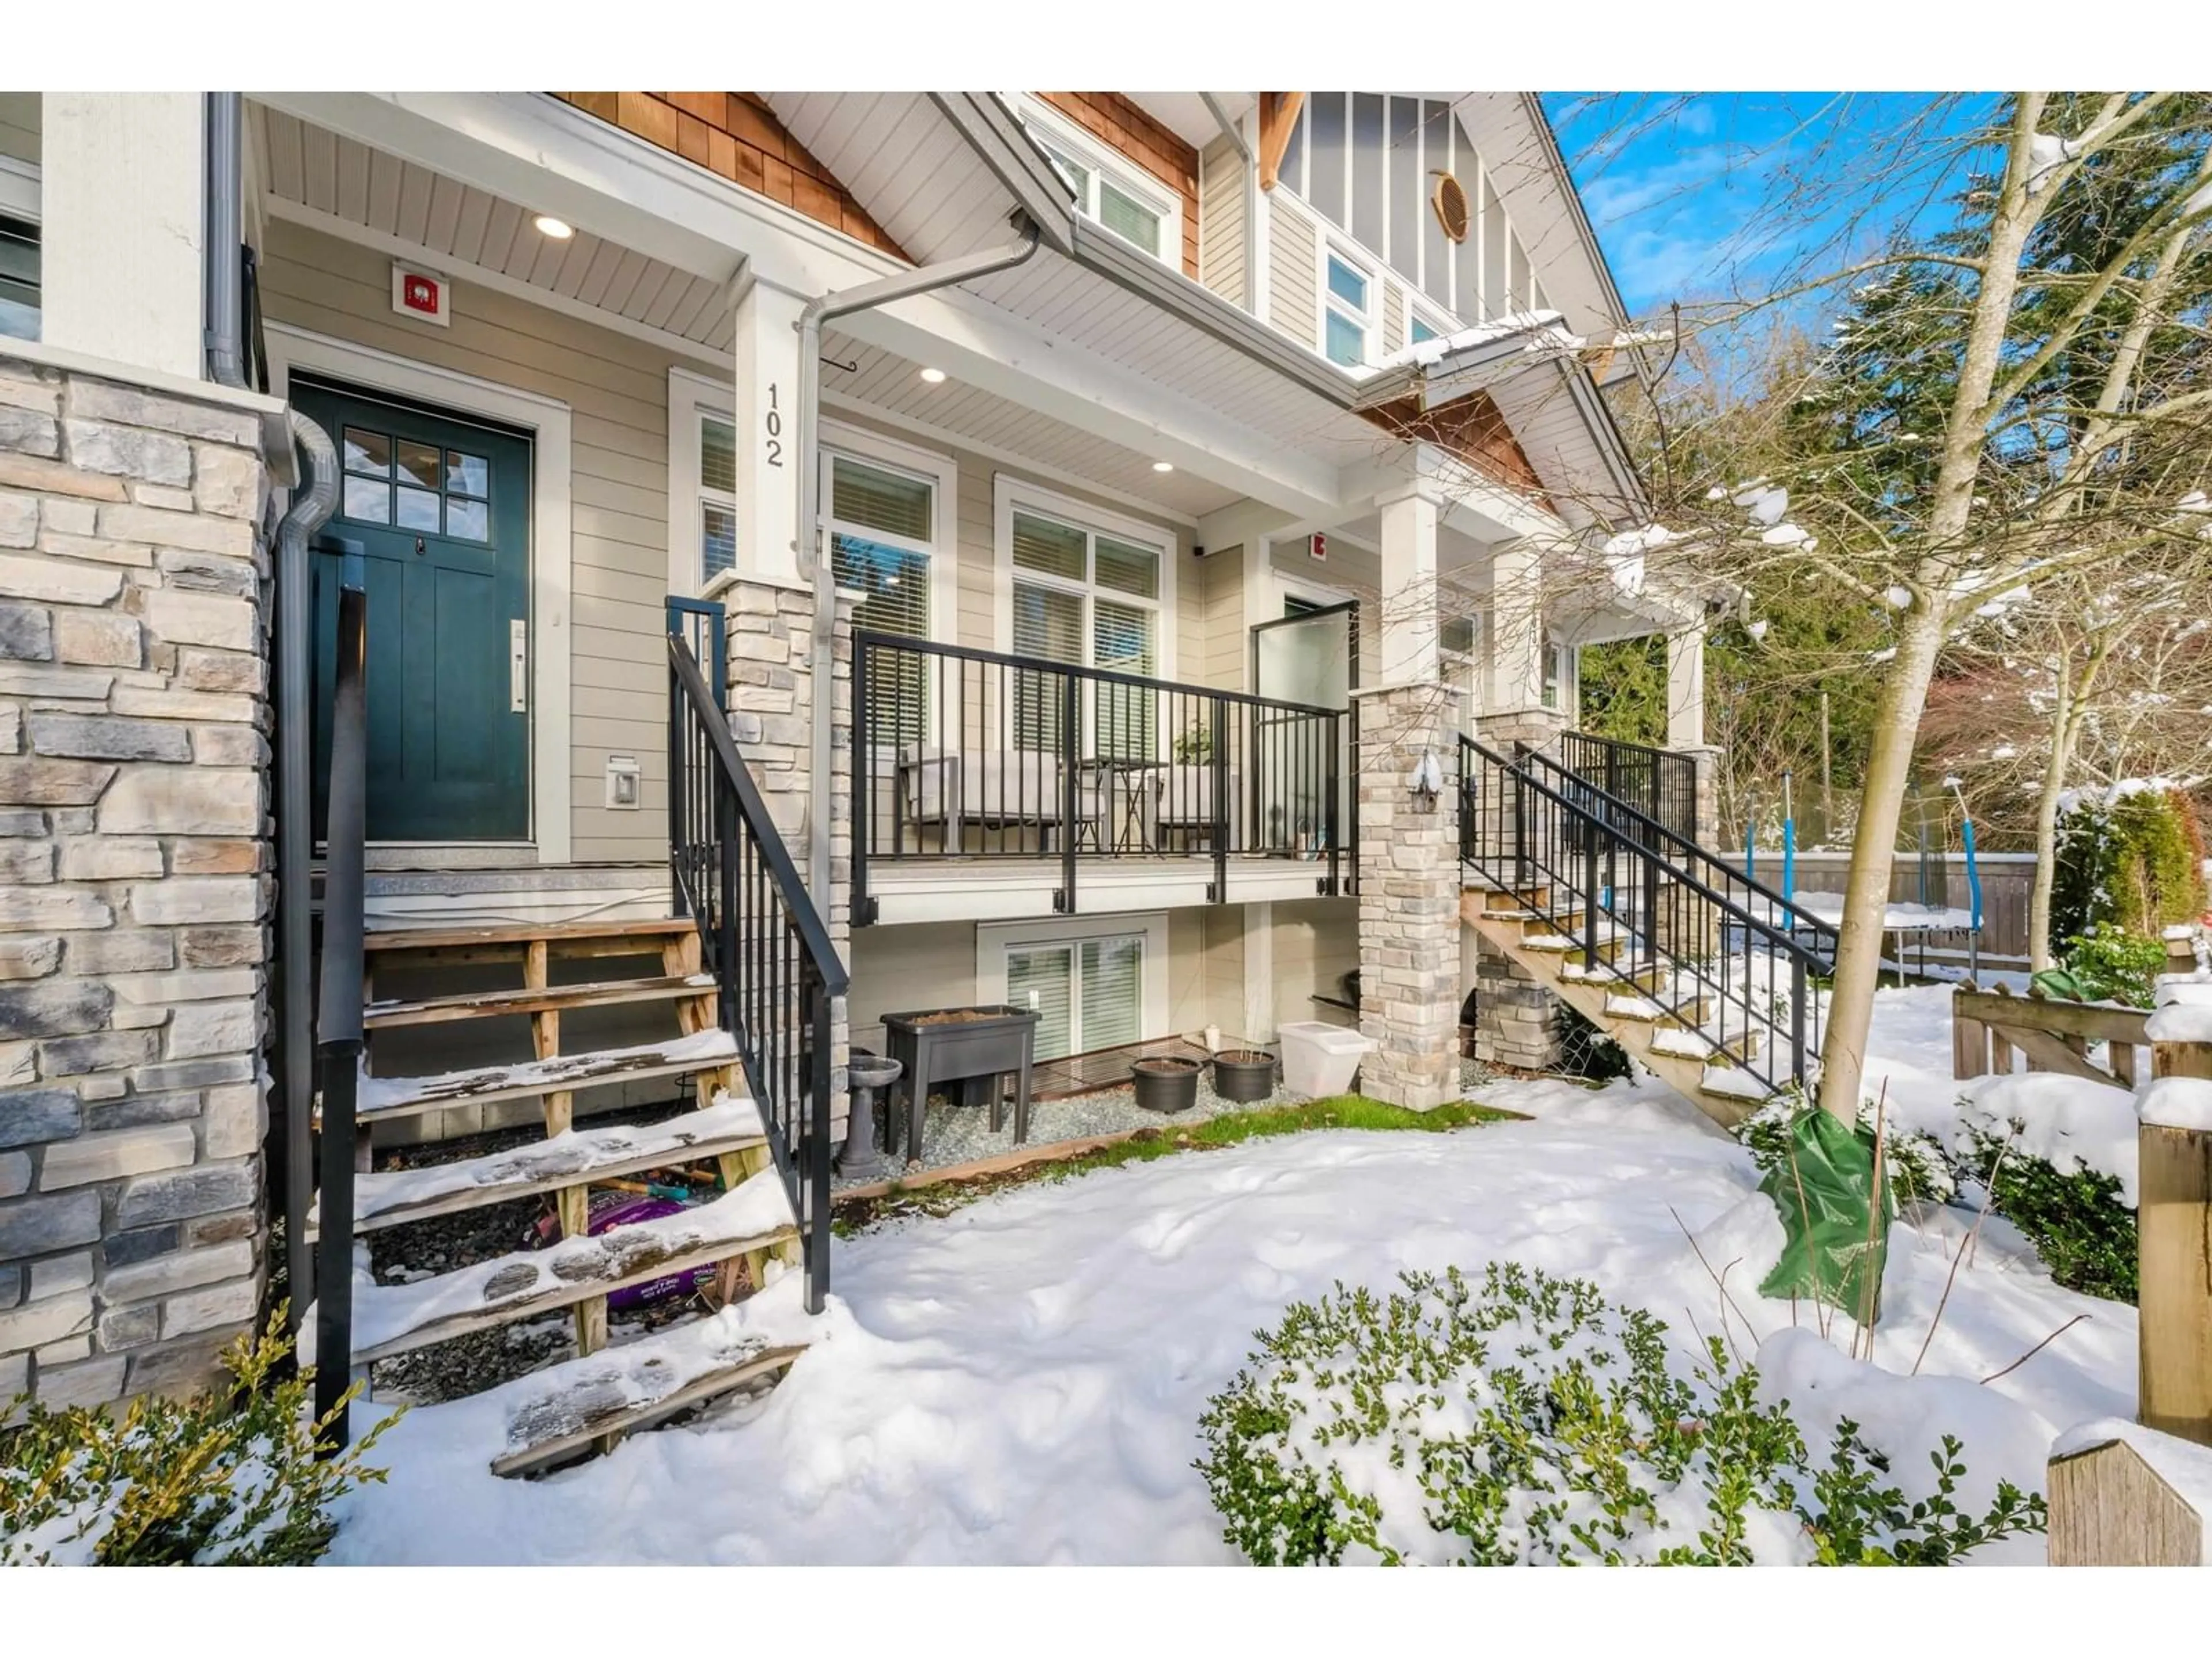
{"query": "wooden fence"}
[(2006, 879), (1991, 1030)]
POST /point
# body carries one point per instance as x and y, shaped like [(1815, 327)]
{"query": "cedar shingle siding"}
[(736, 135), (1115, 122)]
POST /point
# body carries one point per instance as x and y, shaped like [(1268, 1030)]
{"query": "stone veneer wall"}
[(1409, 893), (771, 677), (1515, 1017), (133, 897)]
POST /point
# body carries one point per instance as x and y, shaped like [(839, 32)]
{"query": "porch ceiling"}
[(883, 382), (355, 185)]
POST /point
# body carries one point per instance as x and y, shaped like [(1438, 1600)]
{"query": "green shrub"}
[(2136, 862), (1532, 1422), (2078, 1221), (2108, 963), (230, 1478)]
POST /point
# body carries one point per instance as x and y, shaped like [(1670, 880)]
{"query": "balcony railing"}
[(1660, 785), (966, 755)]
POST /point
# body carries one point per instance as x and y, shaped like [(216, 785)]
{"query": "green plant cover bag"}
[(1822, 1187)]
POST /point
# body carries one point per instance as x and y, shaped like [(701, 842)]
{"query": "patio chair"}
[(1186, 803), (991, 788)]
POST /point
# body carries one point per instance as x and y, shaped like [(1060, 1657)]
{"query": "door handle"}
[(518, 667)]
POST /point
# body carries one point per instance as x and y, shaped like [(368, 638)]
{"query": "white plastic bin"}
[(1320, 1059)]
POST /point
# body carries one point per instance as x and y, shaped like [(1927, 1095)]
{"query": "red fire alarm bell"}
[(1320, 547), (421, 294)]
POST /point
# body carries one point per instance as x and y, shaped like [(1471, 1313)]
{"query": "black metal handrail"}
[(1659, 783), (961, 752), (1713, 951), (761, 936), (338, 1012)]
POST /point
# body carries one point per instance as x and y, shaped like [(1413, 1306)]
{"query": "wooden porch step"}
[(384, 1097), (570, 1406), (1635, 1004), (1609, 935), (397, 1319), (485, 1005), (1684, 1044), (655, 928), (398, 1196)]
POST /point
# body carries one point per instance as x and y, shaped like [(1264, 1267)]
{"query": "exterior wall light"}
[(1426, 781)]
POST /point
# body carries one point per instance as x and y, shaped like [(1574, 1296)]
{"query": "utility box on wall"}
[(625, 783)]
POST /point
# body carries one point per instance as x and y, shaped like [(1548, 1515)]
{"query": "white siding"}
[(618, 390), (1221, 198), (1293, 301)]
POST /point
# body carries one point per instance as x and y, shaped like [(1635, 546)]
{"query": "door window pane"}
[(467, 520), (367, 499), (718, 538), (1039, 978), (467, 475), (1054, 549), (1048, 626), (418, 465), (366, 451), (418, 509), (1124, 714), (1110, 1001)]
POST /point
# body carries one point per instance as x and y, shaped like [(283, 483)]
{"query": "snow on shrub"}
[(1530, 1421), (2056, 1155), (1916, 1166), (230, 1478)]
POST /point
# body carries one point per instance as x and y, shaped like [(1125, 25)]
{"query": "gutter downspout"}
[(224, 285), (813, 566), (295, 832), (1230, 131)]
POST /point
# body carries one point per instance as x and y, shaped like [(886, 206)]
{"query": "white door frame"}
[(552, 551)]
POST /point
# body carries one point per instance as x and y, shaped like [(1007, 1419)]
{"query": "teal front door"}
[(434, 514)]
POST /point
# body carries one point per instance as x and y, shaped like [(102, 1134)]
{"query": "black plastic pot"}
[(1244, 1074), (1166, 1085)]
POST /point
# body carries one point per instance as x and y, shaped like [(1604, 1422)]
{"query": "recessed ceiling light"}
[(1163, 466), (559, 230), (934, 376)]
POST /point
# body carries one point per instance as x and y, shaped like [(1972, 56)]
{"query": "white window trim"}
[(690, 395), (552, 548), (1128, 177), (994, 939), (19, 189), (1340, 248), (1009, 493)]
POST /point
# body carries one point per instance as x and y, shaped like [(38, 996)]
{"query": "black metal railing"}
[(961, 753), (1658, 783), (1654, 914), (761, 935), (338, 1010)]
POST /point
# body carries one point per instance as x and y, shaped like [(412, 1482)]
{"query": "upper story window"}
[(718, 494), (18, 279), (1109, 189), (1348, 309)]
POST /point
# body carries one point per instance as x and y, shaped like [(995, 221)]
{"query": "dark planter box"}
[(974, 1047), (1166, 1085), (1244, 1075)]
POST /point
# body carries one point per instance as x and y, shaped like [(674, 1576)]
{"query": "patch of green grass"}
[(1205, 1134)]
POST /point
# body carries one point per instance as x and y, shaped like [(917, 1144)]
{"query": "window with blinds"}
[(1089, 599), (882, 526), (718, 496), (1088, 994)]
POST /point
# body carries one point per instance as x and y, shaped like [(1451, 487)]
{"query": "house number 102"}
[(771, 423)]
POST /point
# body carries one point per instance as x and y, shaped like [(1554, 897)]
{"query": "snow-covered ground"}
[(1020, 1381)]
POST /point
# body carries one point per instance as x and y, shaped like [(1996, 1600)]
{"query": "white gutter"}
[(814, 567)]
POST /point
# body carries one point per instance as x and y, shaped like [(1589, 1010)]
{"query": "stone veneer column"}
[(771, 668), (1409, 891), (1515, 1017), (134, 769)]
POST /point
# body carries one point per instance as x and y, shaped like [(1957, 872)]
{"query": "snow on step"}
[(392, 1095), (561, 1160), (390, 1319), (1733, 1082), (404, 1010), (1607, 932), (562, 1409), (1631, 1007)]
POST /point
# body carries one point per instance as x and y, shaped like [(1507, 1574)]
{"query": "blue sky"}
[(1701, 194)]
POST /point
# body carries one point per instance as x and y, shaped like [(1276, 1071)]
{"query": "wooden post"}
[(2173, 1229), (2111, 1507), (1970, 1038)]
